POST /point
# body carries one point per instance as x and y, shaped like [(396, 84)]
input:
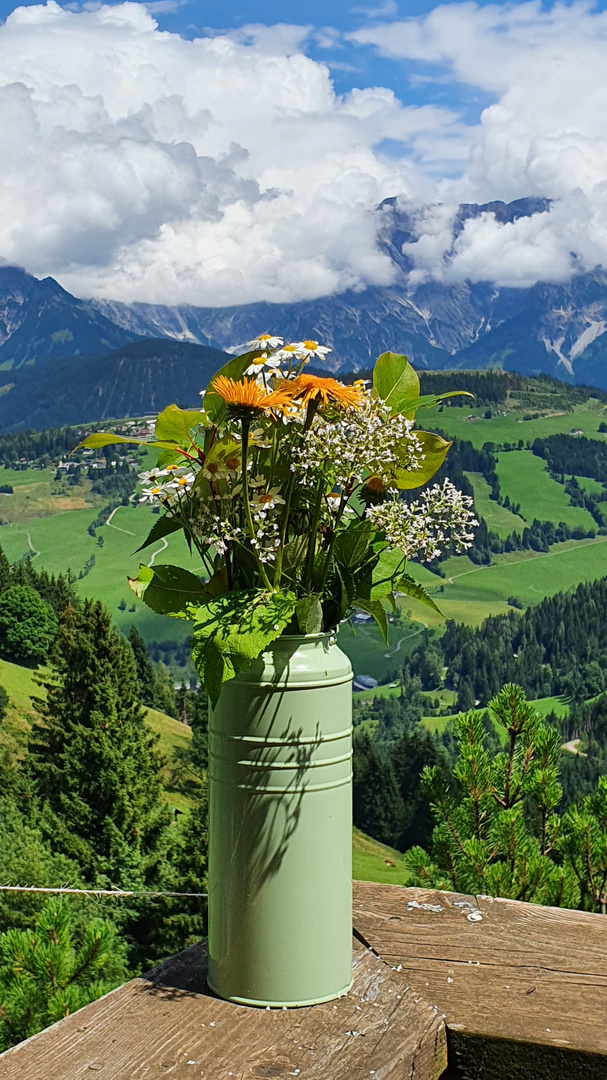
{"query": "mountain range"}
[(67, 360)]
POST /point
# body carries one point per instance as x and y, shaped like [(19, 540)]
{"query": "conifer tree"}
[(27, 626), (93, 761), (497, 829), (5, 572), (377, 805), (47, 973), (145, 668)]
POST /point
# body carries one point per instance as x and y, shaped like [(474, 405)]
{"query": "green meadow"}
[(499, 519), (470, 423), (525, 479)]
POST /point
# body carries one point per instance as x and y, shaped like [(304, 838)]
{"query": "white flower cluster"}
[(442, 517), (166, 491), (275, 354), (367, 441)]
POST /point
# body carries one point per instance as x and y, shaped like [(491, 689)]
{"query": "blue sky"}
[(220, 152)]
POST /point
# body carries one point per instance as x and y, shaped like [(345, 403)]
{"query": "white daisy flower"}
[(153, 476), (267, 500), (265, 341), (303, 350)]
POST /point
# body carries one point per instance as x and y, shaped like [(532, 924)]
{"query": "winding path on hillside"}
[(415, 633), (35, 552), (117, 527), (163, 546)]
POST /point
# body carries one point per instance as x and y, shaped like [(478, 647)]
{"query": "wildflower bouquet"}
[(288, 487)]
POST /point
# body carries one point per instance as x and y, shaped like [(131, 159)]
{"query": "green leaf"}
[(174, 424), (394, 380), (168, 590), (240, 625), (214, 405), (376, 609), (352, 544), (309, 615), (294, 553), (406, 584), (107, 438), (435, 451), (428, 401), (161, 528)]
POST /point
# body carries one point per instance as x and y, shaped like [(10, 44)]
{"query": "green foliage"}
[(146, 675), (230, 632), (167, 590), (497, 829), (49, 972), (28, 626), (377, 804), (93, 761), (583, 844)]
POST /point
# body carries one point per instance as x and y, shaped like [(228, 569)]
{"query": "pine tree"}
[(497, 830), (48, 973), (5, 572), (145, 668), (93, 761), (377, 805)]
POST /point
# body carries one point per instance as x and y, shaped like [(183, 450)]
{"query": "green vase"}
[(280, 827)]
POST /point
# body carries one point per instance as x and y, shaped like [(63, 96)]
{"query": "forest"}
[(82, 801)]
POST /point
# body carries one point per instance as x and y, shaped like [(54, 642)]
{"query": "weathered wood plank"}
[(518, 983), (169, 1025)]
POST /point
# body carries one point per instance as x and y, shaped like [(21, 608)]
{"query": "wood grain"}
[(517, 982), (169, 1025)]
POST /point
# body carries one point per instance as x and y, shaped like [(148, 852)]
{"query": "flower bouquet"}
[(289, 488)]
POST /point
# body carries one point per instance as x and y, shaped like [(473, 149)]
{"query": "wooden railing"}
[(444, 986)]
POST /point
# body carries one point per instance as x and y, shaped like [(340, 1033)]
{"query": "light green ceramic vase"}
[(280, 827)]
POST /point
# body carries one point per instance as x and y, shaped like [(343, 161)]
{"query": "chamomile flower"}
[(267, 500), (304, 350), (265, 341), (153, 476)]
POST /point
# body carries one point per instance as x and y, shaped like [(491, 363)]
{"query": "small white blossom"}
[(442, 517)]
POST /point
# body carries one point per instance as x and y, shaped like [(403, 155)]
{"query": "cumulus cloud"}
[(142, 166), (139, 165), (543, 134)]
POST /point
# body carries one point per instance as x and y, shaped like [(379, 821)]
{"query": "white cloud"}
[(544, 134), (140, 165)]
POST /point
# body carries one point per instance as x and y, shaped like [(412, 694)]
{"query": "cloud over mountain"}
[(224, 170), (141, 165)]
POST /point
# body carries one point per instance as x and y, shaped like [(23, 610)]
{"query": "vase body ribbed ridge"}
[(280, 827)]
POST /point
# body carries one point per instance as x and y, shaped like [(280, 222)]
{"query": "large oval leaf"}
[(167, 590), (435, 450), (395, 381)]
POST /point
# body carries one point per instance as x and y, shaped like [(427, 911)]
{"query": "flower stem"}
[(246, 424), (311, 552)]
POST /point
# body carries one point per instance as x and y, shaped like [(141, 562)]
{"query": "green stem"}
[(309, 567), (338, 517), (246, 424)]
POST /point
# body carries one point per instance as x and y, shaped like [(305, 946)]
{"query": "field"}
[(470, 424), (499, 519), (523, 477)]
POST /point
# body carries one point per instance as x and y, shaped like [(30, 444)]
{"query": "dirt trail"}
[(117, 527), (35, 551), (163, 546)]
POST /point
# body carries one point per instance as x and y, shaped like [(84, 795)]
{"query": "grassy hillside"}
[(524, 478)]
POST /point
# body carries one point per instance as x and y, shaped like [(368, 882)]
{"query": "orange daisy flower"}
[(245, 396), (306, 388)]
